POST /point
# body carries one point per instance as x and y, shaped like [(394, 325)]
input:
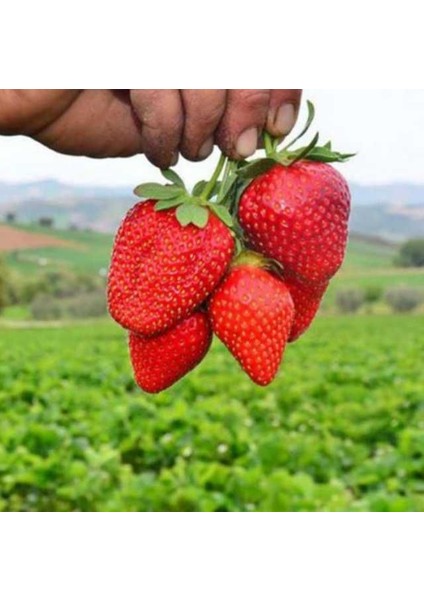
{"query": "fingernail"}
[(174, 159), (285, 119), (206, 148), (247, 142)]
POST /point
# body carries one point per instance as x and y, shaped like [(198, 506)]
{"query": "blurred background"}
[(342, 427)]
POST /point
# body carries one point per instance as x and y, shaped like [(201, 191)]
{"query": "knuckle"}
[(254, 99), (205, 108), (158, 109)]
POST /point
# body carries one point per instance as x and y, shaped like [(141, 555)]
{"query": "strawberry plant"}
[(341, 430)]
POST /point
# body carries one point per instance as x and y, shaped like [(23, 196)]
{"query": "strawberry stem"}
[(269, 144), (215, 176), (227, 172)]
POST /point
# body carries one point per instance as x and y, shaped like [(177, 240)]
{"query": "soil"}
[(12, 239)]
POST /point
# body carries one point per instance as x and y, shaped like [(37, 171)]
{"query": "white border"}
[(212, 44), (210, 557)]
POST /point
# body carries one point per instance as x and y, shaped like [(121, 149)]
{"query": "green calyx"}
[(191, 208), (287, 157), (251, 259)]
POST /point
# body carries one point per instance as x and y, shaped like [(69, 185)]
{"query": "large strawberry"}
[(160, 361), (296, 211), (298, 215), (161, 271), (252, 313), (307, 299)]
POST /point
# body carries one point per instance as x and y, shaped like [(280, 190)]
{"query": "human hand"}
[(159, 123)]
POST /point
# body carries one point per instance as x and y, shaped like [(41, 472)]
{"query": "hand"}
[(159, 123)]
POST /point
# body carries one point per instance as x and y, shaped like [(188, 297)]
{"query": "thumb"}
[(283, 111)]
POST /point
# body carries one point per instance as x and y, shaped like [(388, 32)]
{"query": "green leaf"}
[(256, 167), (222, 213), (172, 176), (289, 158), (157, 191), (311, 116), (325, 154), (199, 187), (201, 217), (192, 213), (165, 204)]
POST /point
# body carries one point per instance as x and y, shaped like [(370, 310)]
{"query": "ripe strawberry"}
[(307, 299), (298, 215), (252, 314), (162, 271), (160, 361)]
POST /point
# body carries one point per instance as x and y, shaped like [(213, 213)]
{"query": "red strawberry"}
[(252, 314), (162, 271), (160, 361), (306, 298), (298, 215)]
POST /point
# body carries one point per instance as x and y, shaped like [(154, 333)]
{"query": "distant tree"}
[(349, 300), (11, 217), (373, 293), (46, 222), (411, 253), (404, 298), (81, 306), (3, 285)]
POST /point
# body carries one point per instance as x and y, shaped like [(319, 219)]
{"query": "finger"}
[(283, 111), (25, 112), (243, 122), (203, 111), (161, 116)]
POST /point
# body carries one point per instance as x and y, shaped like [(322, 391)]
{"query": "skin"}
[(162, 124)]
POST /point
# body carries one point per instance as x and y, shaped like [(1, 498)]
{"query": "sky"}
[(385, 128)]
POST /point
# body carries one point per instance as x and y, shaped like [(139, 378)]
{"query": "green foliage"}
[(411, 253), (349, 300), (79, 306), (76, 434), (46, 308), (372, 293), (54, 283), (3, 285), (403, 298)]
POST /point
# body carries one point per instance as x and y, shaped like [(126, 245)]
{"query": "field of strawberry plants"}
[(341, 428)]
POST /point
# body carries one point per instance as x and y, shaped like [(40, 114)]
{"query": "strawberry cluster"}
[(247, 257)]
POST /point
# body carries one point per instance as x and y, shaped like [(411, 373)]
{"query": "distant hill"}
[(369, 260), (84, 207), (89, 251), (50, 189), (388, 221), (394, 212), (13, 239), (406, 194), (82, 251)]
